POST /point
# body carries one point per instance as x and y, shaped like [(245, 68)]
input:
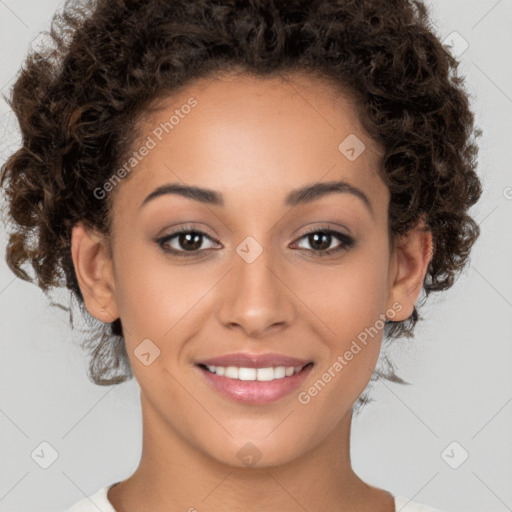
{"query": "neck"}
[(173, 476)]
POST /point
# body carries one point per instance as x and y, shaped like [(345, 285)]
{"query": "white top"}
[(98, 502)]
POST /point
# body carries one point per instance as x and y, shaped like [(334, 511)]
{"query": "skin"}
[(253, 140)]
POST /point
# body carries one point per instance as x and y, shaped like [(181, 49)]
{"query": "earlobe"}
[(412, 254), (93, 268)]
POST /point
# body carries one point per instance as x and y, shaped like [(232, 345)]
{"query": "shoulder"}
[(98, 502), (403, 504)]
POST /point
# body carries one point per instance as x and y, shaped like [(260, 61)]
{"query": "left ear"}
[(410, 258)]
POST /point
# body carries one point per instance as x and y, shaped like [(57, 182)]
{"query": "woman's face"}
[(267, 274)]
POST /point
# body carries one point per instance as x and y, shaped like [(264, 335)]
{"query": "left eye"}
[(191, 241), (322, 239)]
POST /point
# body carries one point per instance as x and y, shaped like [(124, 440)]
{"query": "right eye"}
[(182, 241)]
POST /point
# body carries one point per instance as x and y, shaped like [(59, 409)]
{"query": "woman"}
[(248, 197)]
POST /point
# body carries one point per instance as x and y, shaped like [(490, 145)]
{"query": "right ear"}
[(93, 268)]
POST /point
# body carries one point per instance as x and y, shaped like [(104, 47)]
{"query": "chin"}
[(259, 452)]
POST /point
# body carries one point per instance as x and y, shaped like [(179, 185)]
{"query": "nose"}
[(255, 297)]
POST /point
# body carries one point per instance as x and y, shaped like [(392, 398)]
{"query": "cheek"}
[(154, 297), (349, 297), (349, 302), (159, 306)]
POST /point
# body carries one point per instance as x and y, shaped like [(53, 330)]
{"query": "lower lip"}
[(255, 392)]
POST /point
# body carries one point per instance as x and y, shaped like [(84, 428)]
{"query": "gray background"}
[(458, 363)]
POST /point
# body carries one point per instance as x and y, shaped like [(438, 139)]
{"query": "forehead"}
[(239, 132)]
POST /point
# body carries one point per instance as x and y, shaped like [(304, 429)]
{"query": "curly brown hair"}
[(78, 102)]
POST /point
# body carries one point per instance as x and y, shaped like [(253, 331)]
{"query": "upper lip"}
[(244, 360)]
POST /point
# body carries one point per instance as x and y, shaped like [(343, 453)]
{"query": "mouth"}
[(267, 374), (255, 383)]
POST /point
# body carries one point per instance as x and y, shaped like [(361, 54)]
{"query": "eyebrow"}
[(296, 197)]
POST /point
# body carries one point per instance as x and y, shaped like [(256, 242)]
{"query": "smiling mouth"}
[(266, 374), (251, 383)]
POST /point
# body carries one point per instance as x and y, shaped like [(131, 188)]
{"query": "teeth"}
[(252, 374), (231, 372), (247, 373), (265, 374), (279, 372)]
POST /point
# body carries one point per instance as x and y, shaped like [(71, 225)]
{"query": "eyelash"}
[(347, 242)]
